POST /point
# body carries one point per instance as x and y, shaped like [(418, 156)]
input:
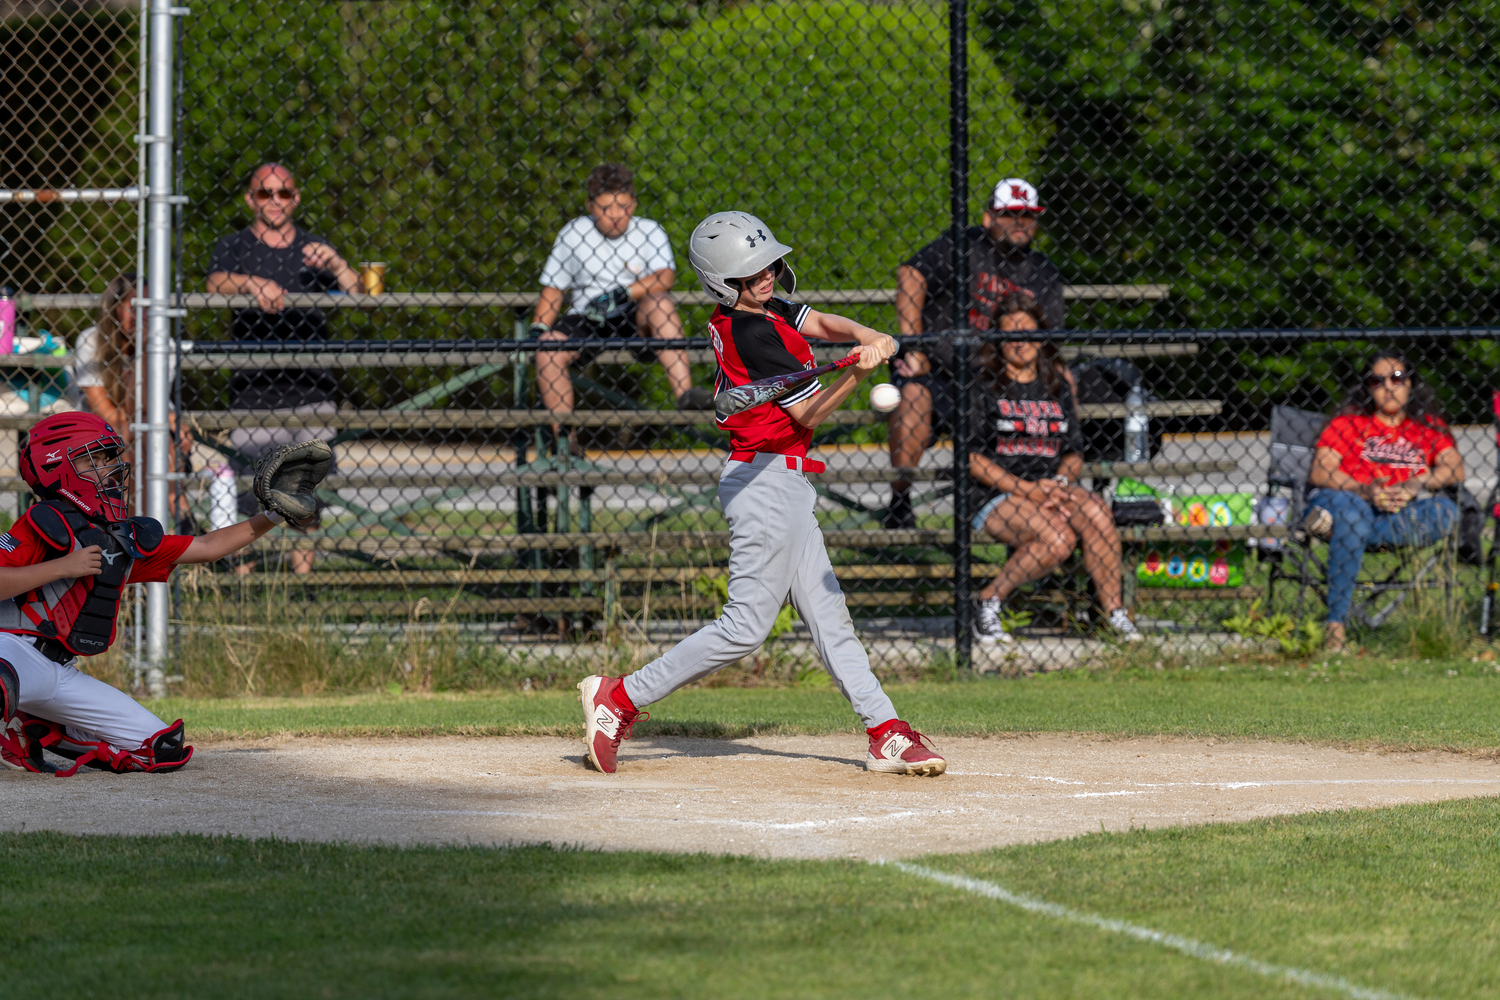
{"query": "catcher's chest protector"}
[(80, 613)]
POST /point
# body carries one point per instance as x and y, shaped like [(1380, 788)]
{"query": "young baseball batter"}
[(775, 547), (63, 569)]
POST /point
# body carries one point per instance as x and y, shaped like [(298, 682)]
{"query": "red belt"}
[(793, 462)]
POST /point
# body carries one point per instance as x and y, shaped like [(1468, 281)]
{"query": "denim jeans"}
[(1357, 526)]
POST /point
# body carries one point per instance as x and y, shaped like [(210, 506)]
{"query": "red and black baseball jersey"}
[(751, 346)]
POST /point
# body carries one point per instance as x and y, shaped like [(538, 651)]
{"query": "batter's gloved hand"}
[(610, 305), (286, 481)]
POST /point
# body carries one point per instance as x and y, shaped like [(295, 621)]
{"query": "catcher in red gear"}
[(64, 567)]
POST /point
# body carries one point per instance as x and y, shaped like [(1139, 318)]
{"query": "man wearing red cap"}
[(1001, 261)]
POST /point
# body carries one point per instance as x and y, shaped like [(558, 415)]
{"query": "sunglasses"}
[(280, 194), (1395, 378)]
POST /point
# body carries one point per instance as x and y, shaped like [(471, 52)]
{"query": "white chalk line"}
[(362, 809), (1187, 946), (1233, 785)]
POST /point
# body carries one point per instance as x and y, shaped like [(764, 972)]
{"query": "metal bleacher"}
[(567, 551)]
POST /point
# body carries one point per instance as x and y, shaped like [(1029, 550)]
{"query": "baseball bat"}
[(767, 390)]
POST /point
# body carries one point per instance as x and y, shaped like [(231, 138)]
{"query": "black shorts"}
[(943, 397), (575, 326)]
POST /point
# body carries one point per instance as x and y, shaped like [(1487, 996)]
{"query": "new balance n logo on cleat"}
[(607, 723), (897, 748)]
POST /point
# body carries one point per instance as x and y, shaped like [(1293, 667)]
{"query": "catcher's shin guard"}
[(19, 732), (21, 743), (163, 751), (10, 692)]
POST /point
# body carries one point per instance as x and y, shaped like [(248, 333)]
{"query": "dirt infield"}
[(803, 796)]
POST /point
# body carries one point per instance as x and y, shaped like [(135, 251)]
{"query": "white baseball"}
[(884, 397)]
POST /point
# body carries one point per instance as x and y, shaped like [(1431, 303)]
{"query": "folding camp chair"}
[(1491, 586), (1383, 584)]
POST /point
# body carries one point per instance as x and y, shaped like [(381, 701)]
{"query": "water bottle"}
[(223, 503), (7, 321), (1137, 427)]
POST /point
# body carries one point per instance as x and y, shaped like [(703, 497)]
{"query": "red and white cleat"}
[(897, 748), (606, 719)]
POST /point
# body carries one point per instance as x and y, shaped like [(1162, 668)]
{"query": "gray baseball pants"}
[(775, 551)]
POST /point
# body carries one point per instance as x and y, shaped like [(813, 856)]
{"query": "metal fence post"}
[(143, 208), (159, 321), (958, 126)]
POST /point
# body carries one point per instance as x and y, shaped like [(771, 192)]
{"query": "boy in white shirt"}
[(619, 270)]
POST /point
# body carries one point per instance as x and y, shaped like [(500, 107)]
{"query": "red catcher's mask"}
[(53, 447)]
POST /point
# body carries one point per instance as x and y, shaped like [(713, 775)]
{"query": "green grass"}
[(1370, 702), (1396, 899)]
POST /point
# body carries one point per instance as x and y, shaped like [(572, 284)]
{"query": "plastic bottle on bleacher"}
[(223, 506), (1137, 427), (7, 321)]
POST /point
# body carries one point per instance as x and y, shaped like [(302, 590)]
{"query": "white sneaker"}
[(988, 628), (1318, 523), (1121, 623)]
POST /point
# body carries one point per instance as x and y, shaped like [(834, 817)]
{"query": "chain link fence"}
[(70, 176), (1213, 214)]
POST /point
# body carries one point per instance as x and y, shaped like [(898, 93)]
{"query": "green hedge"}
[(827, 120), (449, 140)]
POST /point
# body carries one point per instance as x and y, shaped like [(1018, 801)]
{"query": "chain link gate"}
[(1243, 202)]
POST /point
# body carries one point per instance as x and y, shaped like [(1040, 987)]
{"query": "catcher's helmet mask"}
[(728, 246), (78, 458)]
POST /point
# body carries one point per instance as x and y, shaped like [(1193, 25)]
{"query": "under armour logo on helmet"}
[(759, 234)]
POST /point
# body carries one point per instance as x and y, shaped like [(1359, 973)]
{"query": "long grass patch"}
[(1445, 705)]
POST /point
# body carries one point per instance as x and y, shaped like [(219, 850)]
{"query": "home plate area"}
[(769, 796)]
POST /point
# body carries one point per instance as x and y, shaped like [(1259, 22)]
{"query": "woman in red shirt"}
[(1386, 445)]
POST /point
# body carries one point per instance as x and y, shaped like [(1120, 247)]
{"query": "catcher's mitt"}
[(285, 480)]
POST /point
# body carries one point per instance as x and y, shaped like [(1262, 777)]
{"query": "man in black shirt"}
[(1000, 261), (272, 257)]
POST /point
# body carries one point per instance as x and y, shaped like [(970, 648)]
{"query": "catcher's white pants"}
[(90, 708), (775, 552)]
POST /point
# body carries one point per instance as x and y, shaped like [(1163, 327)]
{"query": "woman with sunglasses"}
[(1025, 459), (1385, 446)]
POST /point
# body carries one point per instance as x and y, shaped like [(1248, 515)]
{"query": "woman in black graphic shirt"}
[(1024, 463)]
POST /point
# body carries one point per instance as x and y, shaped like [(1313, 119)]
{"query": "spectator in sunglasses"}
[(272, 257), (1385, 448), (275, 256)]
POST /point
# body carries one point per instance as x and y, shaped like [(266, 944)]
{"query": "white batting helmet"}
[(735, 245)]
